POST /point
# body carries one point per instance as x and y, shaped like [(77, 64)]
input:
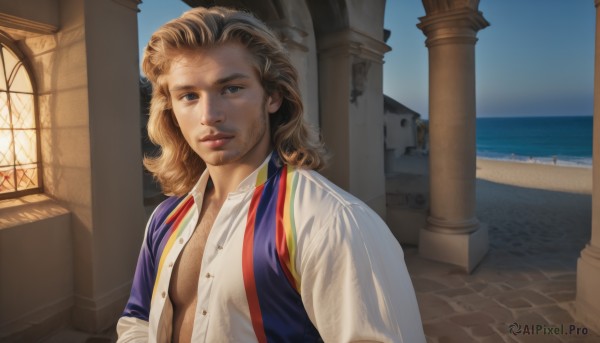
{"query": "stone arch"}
[(328, 16)]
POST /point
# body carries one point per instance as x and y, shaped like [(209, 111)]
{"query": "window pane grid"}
[(7, 180), (22, 111), (7, 150), (25, 147), (19, 167), (4, 112), (26, 177), (18, 178)]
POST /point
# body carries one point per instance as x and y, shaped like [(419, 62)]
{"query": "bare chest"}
[(187, 269)]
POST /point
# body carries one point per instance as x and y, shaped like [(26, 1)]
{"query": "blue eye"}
[(231, 89), (189, 96)]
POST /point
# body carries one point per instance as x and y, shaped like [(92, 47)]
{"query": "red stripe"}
[(186, 206), (248, 268), (280, 238)]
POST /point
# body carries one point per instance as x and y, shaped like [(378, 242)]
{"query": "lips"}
[(216, 140), (215, 137)]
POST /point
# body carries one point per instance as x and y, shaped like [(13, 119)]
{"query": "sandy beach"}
[(548, 177), (539, 219)]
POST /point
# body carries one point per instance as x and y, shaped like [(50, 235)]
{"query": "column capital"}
[(292, 37), (355, 43), (435, 6), (452, 26)]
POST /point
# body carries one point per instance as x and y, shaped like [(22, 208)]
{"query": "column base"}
[(587, 302), (465, 250)]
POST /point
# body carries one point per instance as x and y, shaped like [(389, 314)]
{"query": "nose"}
[(211, 111)]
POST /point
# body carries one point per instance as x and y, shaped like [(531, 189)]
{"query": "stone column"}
[(587, 303), (351, 107), (108, 229), (453, 233), (301, 46)]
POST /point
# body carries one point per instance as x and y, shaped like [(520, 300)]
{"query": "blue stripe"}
[(284, 317)]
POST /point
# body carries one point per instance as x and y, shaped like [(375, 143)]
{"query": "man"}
[(254, 245)]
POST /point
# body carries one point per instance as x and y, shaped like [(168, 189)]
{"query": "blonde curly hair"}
[(177, 167)]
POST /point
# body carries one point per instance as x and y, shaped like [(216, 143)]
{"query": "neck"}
[(225, 179)]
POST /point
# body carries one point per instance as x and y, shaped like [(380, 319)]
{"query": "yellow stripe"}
[(178, 231), (262, 175), (162, 261), (289, 222)]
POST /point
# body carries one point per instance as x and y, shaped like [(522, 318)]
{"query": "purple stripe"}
[(138, 305), (284, 317)]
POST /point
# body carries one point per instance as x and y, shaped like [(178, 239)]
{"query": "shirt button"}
[(204, 313), (164, 294), (181, 241), (171, 264), (219, 247), (208, 275)]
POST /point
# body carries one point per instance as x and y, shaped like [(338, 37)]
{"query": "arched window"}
[(19, 150)]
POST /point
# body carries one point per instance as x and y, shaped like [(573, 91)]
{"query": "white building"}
[(400, 129)]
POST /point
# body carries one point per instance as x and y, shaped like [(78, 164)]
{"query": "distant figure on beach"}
[(554, 159), (254, 245)]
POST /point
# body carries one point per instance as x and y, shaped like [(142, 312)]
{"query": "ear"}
[(274, 102)]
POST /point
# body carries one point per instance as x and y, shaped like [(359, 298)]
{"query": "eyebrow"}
[(231, 77), (223, 80)]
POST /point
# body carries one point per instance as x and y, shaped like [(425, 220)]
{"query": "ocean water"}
[(564, 140)]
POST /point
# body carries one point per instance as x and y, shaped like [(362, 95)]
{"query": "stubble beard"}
[(256, 133)]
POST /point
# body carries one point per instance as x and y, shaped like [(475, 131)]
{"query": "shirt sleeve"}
[(355, 285), (131, 329), (133, 324)]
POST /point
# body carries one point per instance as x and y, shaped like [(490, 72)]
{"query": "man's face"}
[(221, 106)]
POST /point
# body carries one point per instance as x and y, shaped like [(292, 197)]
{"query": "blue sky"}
[(535, 59)]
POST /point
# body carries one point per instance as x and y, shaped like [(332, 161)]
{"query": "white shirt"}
[(332, 252)]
